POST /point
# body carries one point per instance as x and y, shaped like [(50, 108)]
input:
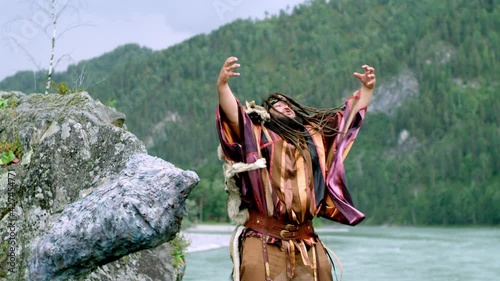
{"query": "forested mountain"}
[(431, 160)]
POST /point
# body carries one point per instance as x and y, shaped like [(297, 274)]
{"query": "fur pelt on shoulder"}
[(232, 169)]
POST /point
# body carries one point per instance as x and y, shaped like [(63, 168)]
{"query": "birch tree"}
[(54, 32), (44, 20)]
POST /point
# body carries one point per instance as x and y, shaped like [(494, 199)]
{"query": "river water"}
[(375, 253)]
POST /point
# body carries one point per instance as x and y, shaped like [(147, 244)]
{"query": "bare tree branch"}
[(26, 53), (62, 10), (61, 58), (72, 27), (77, 83)]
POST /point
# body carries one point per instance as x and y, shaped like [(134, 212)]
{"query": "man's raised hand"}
[(227, 70), (227, 100), (368, 78)]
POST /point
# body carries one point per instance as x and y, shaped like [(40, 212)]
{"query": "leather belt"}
[(292, 236), (279, 229)]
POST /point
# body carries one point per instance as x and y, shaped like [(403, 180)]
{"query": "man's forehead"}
[(280, 102), (275, 99)]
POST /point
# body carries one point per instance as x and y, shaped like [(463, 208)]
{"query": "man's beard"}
[(280, 124)]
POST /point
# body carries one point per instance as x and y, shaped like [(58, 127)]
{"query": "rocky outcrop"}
[(86, 201)]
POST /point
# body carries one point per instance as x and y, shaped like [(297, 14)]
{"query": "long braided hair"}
[(292, 129)]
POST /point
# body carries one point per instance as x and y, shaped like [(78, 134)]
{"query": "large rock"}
[(85, 194)]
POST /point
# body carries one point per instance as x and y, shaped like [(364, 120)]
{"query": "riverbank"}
[(376, 253), (204, 237)]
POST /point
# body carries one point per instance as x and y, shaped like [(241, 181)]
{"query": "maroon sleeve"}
[(336, 184), (230, 144)]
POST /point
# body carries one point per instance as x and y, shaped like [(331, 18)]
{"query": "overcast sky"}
[(89, 28)]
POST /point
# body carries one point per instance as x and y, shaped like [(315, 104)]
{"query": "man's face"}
[(283, 108)]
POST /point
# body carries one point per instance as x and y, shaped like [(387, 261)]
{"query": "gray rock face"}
[(85, 194), (391, 94), (140, 208)]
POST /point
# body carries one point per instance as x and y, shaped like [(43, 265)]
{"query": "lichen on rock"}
[(86, 194)]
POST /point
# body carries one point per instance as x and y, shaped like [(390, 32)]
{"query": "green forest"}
[(446, 170)]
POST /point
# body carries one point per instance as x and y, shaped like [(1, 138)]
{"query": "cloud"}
[(94, 28)]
